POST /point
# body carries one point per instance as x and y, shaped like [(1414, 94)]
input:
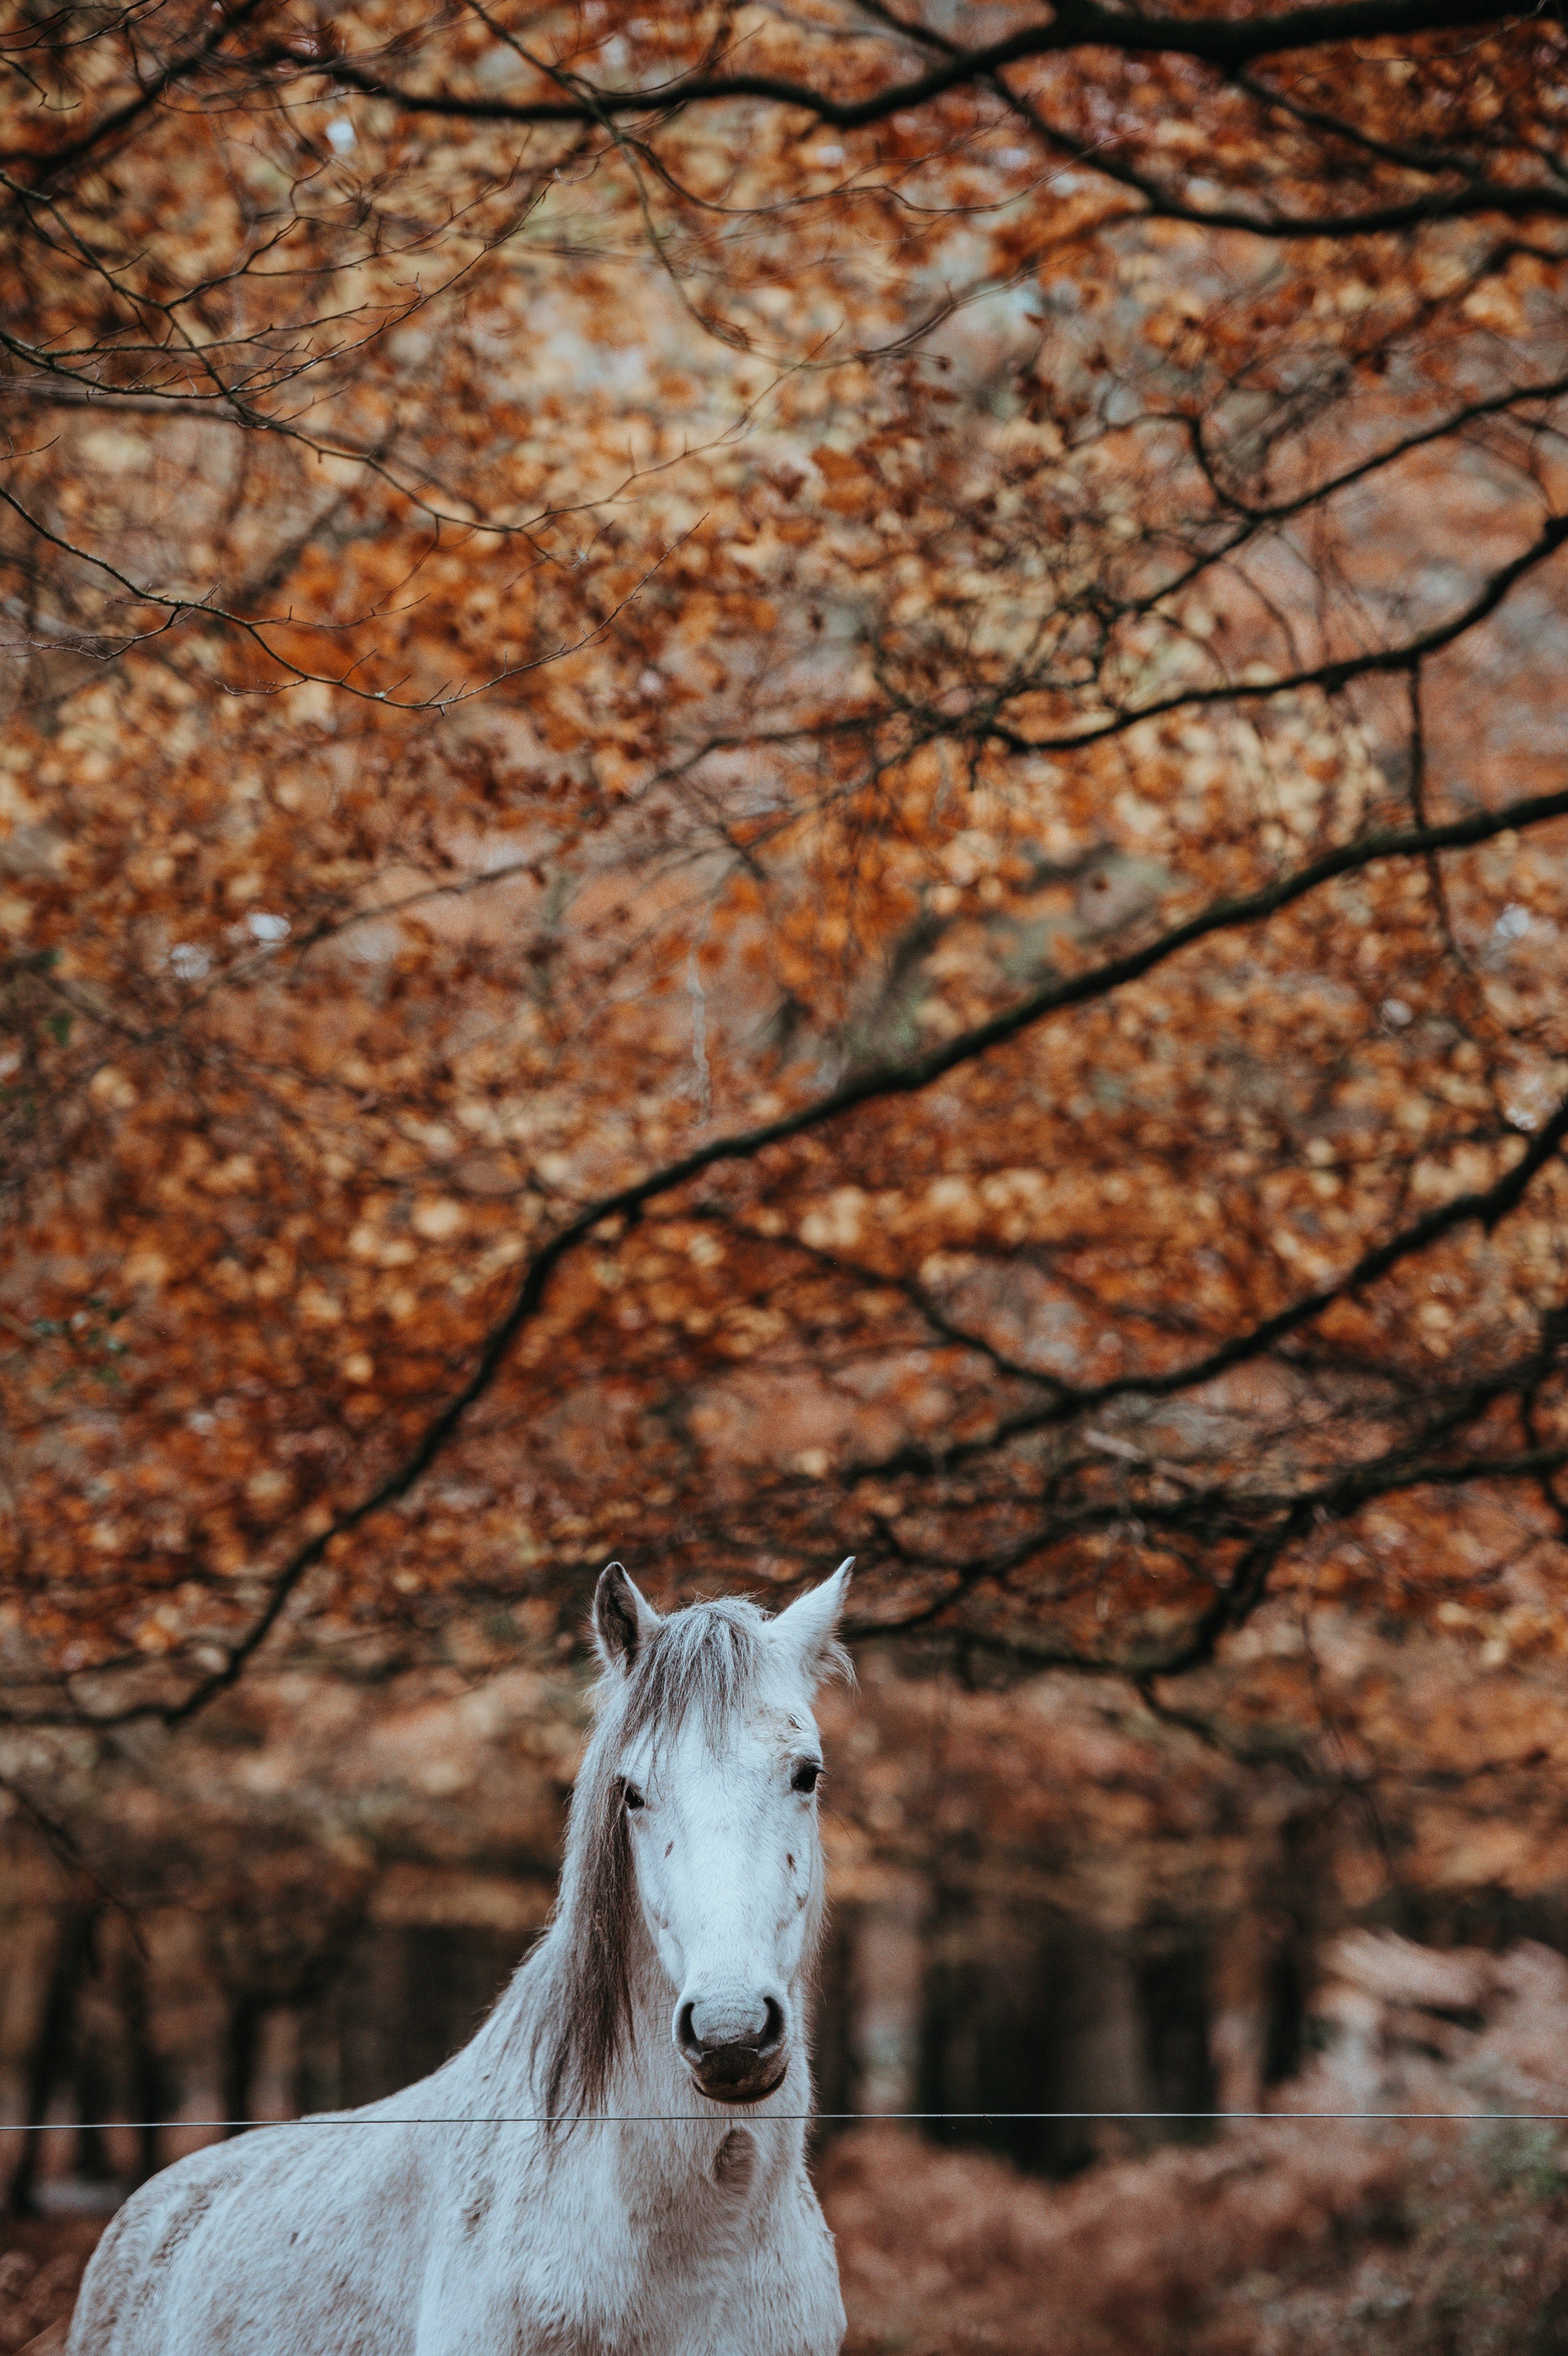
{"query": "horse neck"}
[(508, 2061), (649, 2091)]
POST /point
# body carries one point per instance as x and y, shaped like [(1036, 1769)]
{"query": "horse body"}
[(616, 2162)]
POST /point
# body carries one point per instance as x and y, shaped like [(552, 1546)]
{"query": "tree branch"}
[(883, 1084), (1228, 43)]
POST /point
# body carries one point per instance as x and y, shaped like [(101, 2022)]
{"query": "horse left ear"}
[(812, 1623), (624, 1619)]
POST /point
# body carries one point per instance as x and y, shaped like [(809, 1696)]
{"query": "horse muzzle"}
[(734, 2063)]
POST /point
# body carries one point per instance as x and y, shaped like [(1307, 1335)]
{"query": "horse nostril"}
[(723, 2030)]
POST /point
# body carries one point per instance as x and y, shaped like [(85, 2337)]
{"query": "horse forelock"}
[(706, 1661)]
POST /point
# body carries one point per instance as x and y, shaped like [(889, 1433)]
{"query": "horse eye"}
[(632, 1797), (804, 1776)]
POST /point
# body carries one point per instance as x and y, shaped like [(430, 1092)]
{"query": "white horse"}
[(654, 2200)]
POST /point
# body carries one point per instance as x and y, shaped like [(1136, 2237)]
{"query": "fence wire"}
[(785, 2118)]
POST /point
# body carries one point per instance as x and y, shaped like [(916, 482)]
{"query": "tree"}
[(781, 782)]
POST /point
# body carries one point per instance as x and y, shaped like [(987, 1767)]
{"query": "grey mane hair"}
[(706, 1659)]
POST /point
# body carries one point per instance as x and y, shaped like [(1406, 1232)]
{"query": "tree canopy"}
[(782, 779)]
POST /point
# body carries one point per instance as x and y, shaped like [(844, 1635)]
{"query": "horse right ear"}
[(812, 1621), (623, 1619)]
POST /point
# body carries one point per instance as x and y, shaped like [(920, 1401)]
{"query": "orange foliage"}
[(742, 825)]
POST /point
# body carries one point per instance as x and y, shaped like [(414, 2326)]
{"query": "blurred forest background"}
[(778, 779)]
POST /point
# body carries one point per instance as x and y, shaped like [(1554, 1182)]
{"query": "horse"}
[(616, 2162)]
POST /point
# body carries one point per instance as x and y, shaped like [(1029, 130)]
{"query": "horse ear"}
[(623, 1619), (812, 1623)]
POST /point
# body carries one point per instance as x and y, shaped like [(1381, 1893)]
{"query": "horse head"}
[(713, 1761)]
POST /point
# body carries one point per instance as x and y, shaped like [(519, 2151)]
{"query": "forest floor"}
[(1281, 2239), (41, 2264), (1287, 2238)]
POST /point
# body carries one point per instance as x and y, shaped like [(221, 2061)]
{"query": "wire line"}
[(783, 2119)]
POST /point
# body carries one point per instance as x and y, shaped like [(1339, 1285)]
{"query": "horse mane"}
[(706, 1659)]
